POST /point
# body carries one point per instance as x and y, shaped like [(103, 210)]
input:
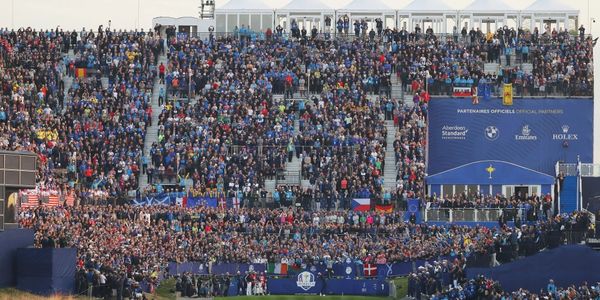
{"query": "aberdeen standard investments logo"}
[(306, 280), (565, 135), (491, 133), (526, 134), (454, 132)]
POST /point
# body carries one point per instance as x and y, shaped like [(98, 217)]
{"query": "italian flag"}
[(280, 269)]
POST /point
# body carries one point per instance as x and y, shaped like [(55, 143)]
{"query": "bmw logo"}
[(492, 133)]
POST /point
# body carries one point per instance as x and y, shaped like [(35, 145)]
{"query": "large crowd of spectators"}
[(561, 64), (88, 137), (222, 128), (140, 241), (447, 280)]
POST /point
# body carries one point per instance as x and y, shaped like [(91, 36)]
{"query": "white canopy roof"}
[(429, 5), (245, 5), (366, 5), (306, 5), (551, 5), (489, 6)]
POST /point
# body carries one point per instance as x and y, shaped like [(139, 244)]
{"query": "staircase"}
[(568, 195), (397, 92), (490, 68), (390, 172), (293, 169), (104, 81), (513, 60), (68, 80), (152, 131), (527, 68), (403, 99)]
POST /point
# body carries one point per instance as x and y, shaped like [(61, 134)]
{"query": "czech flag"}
[(361, 204)]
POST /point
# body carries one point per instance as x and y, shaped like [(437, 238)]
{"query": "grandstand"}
[(302, 149)]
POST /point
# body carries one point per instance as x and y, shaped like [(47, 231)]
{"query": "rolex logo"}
[(565, 135)]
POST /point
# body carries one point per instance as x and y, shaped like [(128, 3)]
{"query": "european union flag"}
[(346, 270)]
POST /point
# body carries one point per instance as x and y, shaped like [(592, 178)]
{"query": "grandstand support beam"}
[(596, 150)]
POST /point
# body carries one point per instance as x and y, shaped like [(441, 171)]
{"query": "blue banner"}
[(532, 133), (187, 267), (201, 201), (225, 268), (182, 200), (309, 283), (347, 270), (413, 206)]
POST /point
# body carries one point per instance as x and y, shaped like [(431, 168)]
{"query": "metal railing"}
[(520, 90), (587, 169), (288, 178), (350, 35), (470, 214)]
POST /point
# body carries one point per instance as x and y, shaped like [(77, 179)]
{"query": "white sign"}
[(454, 132), (526, 134), (565, 135), (306, 280)]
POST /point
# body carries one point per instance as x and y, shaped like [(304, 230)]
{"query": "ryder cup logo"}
[(565, 135), (525, 134), (492, 133), (306, 280)]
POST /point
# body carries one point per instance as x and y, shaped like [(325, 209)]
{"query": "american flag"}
[(53, 200), (236, 203), (70, 199), (32, 201)]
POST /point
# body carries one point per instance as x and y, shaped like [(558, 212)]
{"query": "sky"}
[(75, 14)]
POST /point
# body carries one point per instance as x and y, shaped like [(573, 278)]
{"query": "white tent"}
[(428, 6), (550, 14), (255, 14), (245, 5), (369, 10), (489, 15), (551, 6), (489, 6), (437, 14), (306, 5), (306, 13), (366, 6)]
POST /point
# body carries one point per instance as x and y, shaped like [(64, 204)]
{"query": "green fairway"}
[(304, 297), (165, 291)]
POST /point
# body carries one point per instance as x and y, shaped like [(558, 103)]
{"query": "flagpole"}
[(579, 194)]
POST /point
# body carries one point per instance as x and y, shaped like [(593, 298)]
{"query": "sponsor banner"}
[(307, 283), (187, 267), (180, 199), (533, 133), (221, 269)]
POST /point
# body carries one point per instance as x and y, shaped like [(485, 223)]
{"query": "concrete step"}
[(270, 185), (390, 172), (152, 131), (305, 183), (527, 68), (490, 68), (104, 81), (68, 80)]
